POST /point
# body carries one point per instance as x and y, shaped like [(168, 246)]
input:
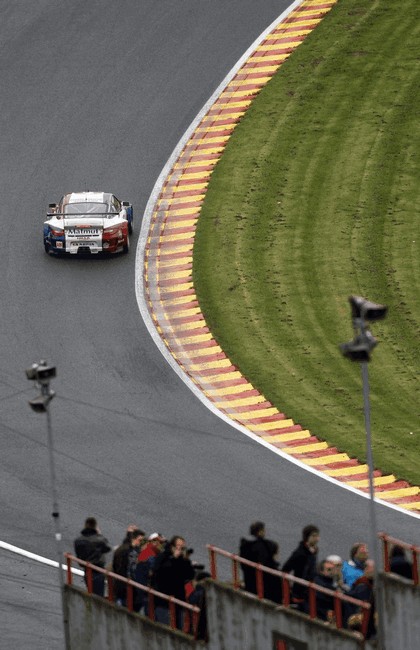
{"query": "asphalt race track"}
[(96, 95)]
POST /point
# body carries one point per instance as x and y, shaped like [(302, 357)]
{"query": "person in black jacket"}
[(120, 566), (125, 556), (172, 570), (198, 598), (325, 602), (363, 589), (399, 563), (91, 546), (262, 551), (302, 563)]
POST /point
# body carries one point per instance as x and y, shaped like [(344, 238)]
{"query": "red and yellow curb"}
[(169, 287)]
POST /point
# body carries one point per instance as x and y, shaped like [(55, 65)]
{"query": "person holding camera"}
[(173, 569), (91, 546)]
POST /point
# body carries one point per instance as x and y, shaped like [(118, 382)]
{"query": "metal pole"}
[(373, 526), (56, 516)]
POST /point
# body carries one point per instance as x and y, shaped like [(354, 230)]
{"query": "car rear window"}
[(86, 208)]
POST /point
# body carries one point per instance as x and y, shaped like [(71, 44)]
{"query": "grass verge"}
[(317, 197)]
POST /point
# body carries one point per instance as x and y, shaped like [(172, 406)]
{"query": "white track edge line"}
[(38, 558)]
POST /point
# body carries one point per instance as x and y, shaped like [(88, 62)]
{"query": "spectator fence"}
[(191, 613), (388, 542), (287, 580)]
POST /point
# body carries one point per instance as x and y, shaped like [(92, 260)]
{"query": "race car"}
[(88, 222)]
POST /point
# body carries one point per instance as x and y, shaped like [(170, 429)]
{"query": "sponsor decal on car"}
[(83, 232)]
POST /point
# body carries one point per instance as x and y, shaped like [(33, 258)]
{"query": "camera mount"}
[(41, 374), (362, 310)]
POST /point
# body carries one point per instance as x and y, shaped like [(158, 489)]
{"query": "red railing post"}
[(213, 567), (286, 592), (130, 597), (259, 581), (89, 578), (385, 549), (312, 600), (151, 605), (172, 613), (187, 621), (110, 582), (195, 619), (69, 573), (338, 612), (235, 573), (365, 620)]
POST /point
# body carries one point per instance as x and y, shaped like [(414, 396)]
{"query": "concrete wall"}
[(401, 604), (96, 624), (238, 621)]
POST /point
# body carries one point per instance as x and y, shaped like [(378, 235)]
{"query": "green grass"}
[(317, 197)]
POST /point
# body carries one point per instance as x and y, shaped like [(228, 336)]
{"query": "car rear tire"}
[(126, 246)]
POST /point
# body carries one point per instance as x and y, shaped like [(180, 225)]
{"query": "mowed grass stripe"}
[(315, 198)]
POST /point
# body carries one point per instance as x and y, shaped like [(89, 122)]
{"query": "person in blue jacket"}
[(355, 566)]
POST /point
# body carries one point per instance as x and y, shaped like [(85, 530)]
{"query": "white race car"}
[(88, 222)]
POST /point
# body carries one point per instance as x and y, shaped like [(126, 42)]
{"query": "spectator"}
[(128, 531), (302, 563), (145, 563), (325, 602), (399, 563), (120, 566), (173, 569), (137, 537), (338, 571), (198, 598), (273, 587), (91, 546), (262, 551), (362, 589), (354, 567)]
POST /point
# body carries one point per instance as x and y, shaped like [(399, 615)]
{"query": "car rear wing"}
[(82, 214)]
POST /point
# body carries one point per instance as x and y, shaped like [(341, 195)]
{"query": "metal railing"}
[(388, 542), (191, 613), (286, 580)]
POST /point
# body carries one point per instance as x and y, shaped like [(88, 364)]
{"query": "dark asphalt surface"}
[(95, 95)]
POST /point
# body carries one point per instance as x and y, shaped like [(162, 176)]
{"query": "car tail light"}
[(56, 232), (114, 230)]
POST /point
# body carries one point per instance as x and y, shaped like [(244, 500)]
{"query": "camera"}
[(41, 373), (362, 308)]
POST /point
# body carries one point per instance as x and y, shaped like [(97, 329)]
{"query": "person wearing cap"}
[(337, 574)]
